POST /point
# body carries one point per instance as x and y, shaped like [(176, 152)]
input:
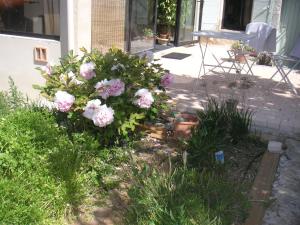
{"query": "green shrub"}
[(184, 197), (115, 80), (166, 12), (220, 124), (45, 172), (12, 99)]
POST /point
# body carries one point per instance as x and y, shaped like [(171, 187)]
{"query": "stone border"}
[(262, 188)]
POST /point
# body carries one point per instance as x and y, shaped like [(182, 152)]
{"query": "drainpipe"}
[(71, 21), (67, 30)]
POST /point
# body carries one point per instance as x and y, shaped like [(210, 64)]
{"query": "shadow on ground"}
[(274, 106)]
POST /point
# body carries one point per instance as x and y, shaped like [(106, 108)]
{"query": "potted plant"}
[(166, 18), (240, 49), (183, 125), (148, 33), (264, 58)]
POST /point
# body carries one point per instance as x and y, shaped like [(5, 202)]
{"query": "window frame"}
[(33, 35)]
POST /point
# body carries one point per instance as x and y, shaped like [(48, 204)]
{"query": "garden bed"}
[(86, 160)]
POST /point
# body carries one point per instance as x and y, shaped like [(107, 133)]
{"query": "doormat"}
[(176, 55)]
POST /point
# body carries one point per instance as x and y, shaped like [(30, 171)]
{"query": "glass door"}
[(185, 21), (142, 24)]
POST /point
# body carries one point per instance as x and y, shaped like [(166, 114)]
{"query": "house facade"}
[(34, 33), (236, 14)]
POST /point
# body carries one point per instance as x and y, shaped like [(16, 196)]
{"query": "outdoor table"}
[(235, 36)]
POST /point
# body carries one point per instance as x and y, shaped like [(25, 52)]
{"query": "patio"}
[(276, 110)]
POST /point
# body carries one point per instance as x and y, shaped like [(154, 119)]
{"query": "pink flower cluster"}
[(100, 114), (87, 70), (63, 101), (103, 116), (144, 98), (91, 108), (167, 80), (114, 87)]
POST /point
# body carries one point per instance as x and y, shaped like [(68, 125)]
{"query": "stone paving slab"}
[(276, 110)]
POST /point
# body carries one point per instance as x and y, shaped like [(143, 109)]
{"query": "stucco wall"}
[(17, 61)]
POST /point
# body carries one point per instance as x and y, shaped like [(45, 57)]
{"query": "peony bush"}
[(106, 94)]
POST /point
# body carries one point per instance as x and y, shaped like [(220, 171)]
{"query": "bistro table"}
[(236, 36)]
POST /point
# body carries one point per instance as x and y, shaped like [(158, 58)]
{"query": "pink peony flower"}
[(102, 88), (103, 116), (114, 87), (145, 98), (63, 101), (91, 107), (47, 69), (167, 80), (87, 70)]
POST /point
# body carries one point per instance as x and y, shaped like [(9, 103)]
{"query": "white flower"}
[(73, 79), (117, 67), (87, 70), (64, 101), (103, 116), (145, 98), (62, 78), (91, 107)]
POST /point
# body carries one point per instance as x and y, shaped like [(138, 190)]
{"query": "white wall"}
[(17, 52), (17, 61)]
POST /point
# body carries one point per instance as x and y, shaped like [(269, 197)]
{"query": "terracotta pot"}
[(164, 36), (162, 41), (183, 129), (240, 58)]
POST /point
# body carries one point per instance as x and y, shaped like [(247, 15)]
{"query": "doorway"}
[(176, 20), (141, 25), (236, 14)]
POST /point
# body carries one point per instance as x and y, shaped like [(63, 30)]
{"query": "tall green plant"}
[(166, 14), (220, 123), (184, 197)]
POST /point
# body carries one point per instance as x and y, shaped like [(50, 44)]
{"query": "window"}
[(30, 17)]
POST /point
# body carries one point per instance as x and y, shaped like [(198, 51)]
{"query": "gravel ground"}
[(285, 209)]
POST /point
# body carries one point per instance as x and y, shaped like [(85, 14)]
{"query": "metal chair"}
[(293, 60)]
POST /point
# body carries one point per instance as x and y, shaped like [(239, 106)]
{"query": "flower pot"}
[(241, 58), (164, 36), (162, 41), (183, 128)]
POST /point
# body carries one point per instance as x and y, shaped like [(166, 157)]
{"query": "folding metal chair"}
[(293, 60), (238, 65)]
